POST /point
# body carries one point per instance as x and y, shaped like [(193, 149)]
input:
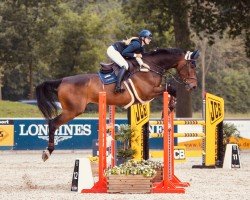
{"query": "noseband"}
[(187, 64)]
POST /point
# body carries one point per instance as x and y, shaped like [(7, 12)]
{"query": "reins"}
[(176, 78), (161, 71)]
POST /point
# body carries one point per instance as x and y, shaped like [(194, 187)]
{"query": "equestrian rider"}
[(130, 48)]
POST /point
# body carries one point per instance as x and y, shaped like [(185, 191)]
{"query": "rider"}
[(130, 48)]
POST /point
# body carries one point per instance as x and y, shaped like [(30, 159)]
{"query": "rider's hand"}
[(138, 55), (145, 65)]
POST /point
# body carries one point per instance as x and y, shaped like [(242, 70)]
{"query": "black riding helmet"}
[(146, 34)]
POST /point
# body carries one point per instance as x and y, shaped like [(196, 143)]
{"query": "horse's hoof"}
[(46, 155)]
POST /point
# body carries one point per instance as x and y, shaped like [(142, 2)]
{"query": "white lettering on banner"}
[(64, 130), (3, 122), (83, 130), (33, 130), (63, 133), (156, 129), (179, 154)]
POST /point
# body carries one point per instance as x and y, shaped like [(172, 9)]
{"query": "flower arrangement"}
[(132, 167), (93, 158)]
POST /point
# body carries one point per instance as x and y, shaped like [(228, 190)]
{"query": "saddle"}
[(107, 68)]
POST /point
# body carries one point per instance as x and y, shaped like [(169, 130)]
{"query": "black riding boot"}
[(118, 88)]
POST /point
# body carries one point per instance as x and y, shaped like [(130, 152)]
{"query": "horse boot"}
[(120, 76)]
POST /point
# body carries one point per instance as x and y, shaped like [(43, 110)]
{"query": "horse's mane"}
[(165, 51), (159, 51)]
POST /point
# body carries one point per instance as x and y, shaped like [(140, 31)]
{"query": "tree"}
[(41, 40), (207, 18), (166, 18), (1, 76), (226, 73), (152, 15), (79, 41), (179, 11), (222, 16), (23, 27)]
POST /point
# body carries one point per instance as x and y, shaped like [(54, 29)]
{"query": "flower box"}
[(129, 184), (158, 176)]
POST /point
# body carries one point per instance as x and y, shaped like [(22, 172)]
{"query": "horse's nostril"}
[(194, 87)]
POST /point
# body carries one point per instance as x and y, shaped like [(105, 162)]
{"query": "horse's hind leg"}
[(54, 124), (51, 145)]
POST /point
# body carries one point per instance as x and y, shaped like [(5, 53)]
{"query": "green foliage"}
[(219, 16), (168, 20), (9, 109), (231, 84), (226, 73), (123, 136), (15, 83), (152, 15), (23, 27), (229, 131), (82, 36), (46, 40)]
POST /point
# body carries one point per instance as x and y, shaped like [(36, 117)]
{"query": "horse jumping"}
[(75, 92)]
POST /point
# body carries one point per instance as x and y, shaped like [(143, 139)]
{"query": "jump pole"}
[(101, 185), (170, 183)]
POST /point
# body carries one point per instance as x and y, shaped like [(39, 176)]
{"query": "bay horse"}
[(75, 92)]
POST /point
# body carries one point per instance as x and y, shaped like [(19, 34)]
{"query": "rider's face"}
[(147, 40)]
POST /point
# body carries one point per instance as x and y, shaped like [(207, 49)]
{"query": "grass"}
[(10, 109)]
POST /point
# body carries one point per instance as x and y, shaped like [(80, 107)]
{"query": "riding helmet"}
[(145, 33)]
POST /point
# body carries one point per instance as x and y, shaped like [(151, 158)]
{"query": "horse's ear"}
[(195, 54)]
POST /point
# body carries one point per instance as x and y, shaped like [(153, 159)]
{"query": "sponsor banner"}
[(193, 144), (156, 143), (32, 134), (6, 133), (243, 143), (79, 133)]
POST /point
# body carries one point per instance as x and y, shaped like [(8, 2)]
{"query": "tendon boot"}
[(120, 76)]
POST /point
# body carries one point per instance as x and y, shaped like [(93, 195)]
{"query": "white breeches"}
[(117, 57)]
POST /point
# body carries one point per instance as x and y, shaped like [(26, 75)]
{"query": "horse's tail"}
[(46, 94)]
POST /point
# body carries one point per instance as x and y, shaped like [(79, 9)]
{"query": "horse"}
[(75, 92)]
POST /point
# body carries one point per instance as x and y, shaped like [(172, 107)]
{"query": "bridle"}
[(188, 65), (162, 71)]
